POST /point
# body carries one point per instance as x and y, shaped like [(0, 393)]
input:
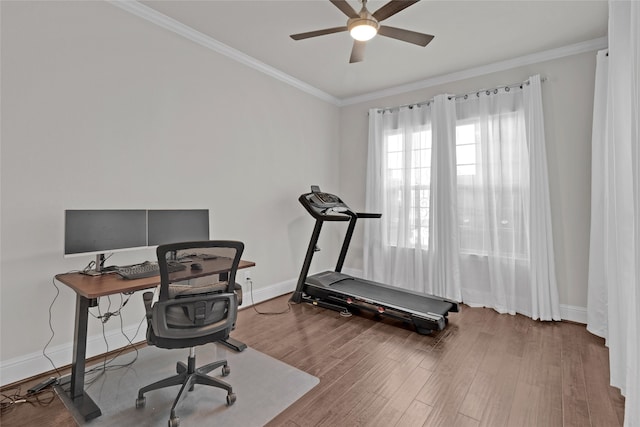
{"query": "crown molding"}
[(151, 15), (155, 17), (534, 58)]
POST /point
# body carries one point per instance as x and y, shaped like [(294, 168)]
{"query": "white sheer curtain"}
[(614, 260), (444, 270), (493, 200), (399, 185), (505, 220), (597, 295), (462, 229), (545, 304)]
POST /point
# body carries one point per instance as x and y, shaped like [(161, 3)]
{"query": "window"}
[(408, 160), (490, 202), (451, 179), (492, 186)]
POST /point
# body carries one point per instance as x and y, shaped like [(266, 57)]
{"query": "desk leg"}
[(81, 400)]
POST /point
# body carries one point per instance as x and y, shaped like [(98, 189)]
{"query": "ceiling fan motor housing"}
[(364, 19)]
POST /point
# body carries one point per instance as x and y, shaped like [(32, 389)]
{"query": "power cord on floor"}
[(265, 313), (43, 397)]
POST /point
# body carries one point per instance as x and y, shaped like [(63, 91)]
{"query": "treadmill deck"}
[(376, 293)]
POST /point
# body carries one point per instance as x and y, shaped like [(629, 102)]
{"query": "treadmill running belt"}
[(391, 297)]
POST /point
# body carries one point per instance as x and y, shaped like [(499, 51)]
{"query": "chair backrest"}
[(197, 303)]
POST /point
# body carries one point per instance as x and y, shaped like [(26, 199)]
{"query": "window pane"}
[(466, 169), (466, 148), (466, 133), (466, 154), (394, 143), (394, 160), (408, 169)]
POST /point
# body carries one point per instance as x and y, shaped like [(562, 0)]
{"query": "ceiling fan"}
[(364, 25)]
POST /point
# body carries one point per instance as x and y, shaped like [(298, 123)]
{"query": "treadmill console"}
[(325, 206)]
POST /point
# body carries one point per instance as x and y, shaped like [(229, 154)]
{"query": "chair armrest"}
[(146, 299), (238, 290)]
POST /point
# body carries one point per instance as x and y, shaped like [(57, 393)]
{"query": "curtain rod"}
[(495, 90)]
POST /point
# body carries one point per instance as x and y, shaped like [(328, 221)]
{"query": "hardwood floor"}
[(484, 369)]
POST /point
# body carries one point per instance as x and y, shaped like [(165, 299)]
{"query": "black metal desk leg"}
[(81, 400)]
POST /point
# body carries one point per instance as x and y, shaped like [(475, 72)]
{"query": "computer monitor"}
[(94, 232), (178, 225)]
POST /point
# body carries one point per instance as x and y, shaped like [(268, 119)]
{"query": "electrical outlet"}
[(246, 273)]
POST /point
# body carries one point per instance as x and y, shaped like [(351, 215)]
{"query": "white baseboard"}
[(249, 296), (26, 366), (29, 365), (573, 313)]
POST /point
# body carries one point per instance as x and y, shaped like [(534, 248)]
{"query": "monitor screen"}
[(173, 226), (97, 231)]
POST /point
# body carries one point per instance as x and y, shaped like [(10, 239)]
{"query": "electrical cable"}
[(107, 363), (92, 264), (55, 368), (265, 313), (42, 397), (104, 318)]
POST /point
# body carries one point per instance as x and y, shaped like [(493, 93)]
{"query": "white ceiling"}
[(467, 34)]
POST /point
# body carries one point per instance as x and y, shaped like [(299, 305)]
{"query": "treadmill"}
[(339, 291)]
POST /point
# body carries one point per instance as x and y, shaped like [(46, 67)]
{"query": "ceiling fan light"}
[(363, 29)]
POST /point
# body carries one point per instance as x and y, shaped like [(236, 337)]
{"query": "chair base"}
[(188, 376)]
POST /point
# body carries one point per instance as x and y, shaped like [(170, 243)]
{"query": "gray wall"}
[(101, 109), (568, 107)]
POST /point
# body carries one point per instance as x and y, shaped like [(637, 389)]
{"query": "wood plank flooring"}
[(484, 369)]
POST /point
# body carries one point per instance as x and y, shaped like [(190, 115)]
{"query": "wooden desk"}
[(88, 289)]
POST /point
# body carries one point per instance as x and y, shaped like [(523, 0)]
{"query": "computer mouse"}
[(196, 266)]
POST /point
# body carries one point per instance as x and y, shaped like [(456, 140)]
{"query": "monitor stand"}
[(99, 269)]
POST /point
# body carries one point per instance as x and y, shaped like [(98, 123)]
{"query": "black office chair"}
[(196, 306)]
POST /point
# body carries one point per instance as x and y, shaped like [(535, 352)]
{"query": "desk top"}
[(109, 284)]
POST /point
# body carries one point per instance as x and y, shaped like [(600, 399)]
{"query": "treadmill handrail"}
[(368, 215)]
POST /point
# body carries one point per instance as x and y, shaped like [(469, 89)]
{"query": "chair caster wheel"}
[(141, 402), (174, 422), (226, 370), (231, 398)]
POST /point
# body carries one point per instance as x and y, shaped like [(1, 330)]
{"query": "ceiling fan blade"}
[(318, 33), (345, 8), (357, 53), (391, 8), (405, 35)]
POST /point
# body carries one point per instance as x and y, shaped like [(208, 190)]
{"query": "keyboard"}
[(147, 269)]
